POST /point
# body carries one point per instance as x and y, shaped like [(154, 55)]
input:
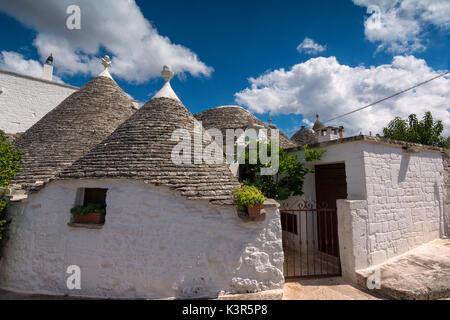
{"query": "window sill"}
[(85, 225)]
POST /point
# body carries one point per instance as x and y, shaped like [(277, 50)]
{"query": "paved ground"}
[(318, 289), (324, 289), (8, 295), (309, 263), (422, 273)]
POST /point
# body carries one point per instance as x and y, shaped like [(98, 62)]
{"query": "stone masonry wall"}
[(154, 244), (446, 164), (395, 199), (405, 197)]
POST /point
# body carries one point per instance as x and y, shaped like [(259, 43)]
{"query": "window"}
[(324, 133), (289, 222), (95, 196), (90, 208)]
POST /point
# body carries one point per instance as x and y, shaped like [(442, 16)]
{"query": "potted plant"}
[(250, 198), (90, 214)]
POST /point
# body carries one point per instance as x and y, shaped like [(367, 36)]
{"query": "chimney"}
[(341, 132), (47, 72)]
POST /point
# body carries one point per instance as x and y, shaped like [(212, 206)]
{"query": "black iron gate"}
[(310, 241)]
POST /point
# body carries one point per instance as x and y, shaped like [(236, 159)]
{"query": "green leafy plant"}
[(247, 197), (79, 211), (291, 173), (9, 165), (4, 221), (9, 160), (427, 131)]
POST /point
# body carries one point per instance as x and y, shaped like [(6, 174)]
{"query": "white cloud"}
[(118, 27), (12, 61), (324, 86), (308, 123), (308, 46), (399, 26)]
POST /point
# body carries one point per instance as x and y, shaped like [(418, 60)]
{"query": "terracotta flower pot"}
[(91, 218), (255, 211)]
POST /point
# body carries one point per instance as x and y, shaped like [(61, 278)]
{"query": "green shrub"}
[(9, 160), (4, 221), (291, 173), (9, 165), (247, 197), (427, 131), (79, 211)]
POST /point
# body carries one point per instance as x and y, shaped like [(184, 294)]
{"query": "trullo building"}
[(170, 230)]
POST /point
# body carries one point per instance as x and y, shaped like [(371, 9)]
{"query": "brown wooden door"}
[(331, 185)]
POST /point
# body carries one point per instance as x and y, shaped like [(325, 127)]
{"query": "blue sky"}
[(232, 41)]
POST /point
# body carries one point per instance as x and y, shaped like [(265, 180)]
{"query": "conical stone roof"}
[(318, 125), (70, 130), (235, 117), (304, 136), (141, 149)]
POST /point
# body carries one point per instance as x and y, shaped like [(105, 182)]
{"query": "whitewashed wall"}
[(396, 200), (405, 199), (349, 153), (24, 100), (155, 244), (352, 154)]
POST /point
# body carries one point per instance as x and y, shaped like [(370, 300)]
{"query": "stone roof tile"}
[(70, 130), (304, 136), (141, 148), (235, 117)]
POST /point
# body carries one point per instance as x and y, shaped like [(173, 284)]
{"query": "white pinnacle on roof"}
[(106, 62), (166, 91)]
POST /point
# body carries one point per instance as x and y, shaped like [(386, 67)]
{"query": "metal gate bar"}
[(307, 250)]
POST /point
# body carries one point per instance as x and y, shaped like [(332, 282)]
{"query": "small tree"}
[(290, 178), (9, 164), (427, 131)]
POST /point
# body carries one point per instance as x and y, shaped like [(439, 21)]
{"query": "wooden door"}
[(331, 185)]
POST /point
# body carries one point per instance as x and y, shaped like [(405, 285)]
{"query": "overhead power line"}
[(391, 96)]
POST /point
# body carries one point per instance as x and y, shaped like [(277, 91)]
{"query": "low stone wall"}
[(154, 244), (446, 163), (364, 241), (353, 238)]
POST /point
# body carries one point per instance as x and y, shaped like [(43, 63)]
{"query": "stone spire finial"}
[(167, 73), (270, 121), (317, 116), (166, 91), (106, 62)]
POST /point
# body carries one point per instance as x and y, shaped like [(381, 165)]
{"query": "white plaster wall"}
[(401, 200), (353, 240), (25, 101), (328, 137), (405, 197), (353, 157), (154, 244)]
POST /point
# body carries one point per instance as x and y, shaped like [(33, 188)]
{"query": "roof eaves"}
[(11, 73)]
